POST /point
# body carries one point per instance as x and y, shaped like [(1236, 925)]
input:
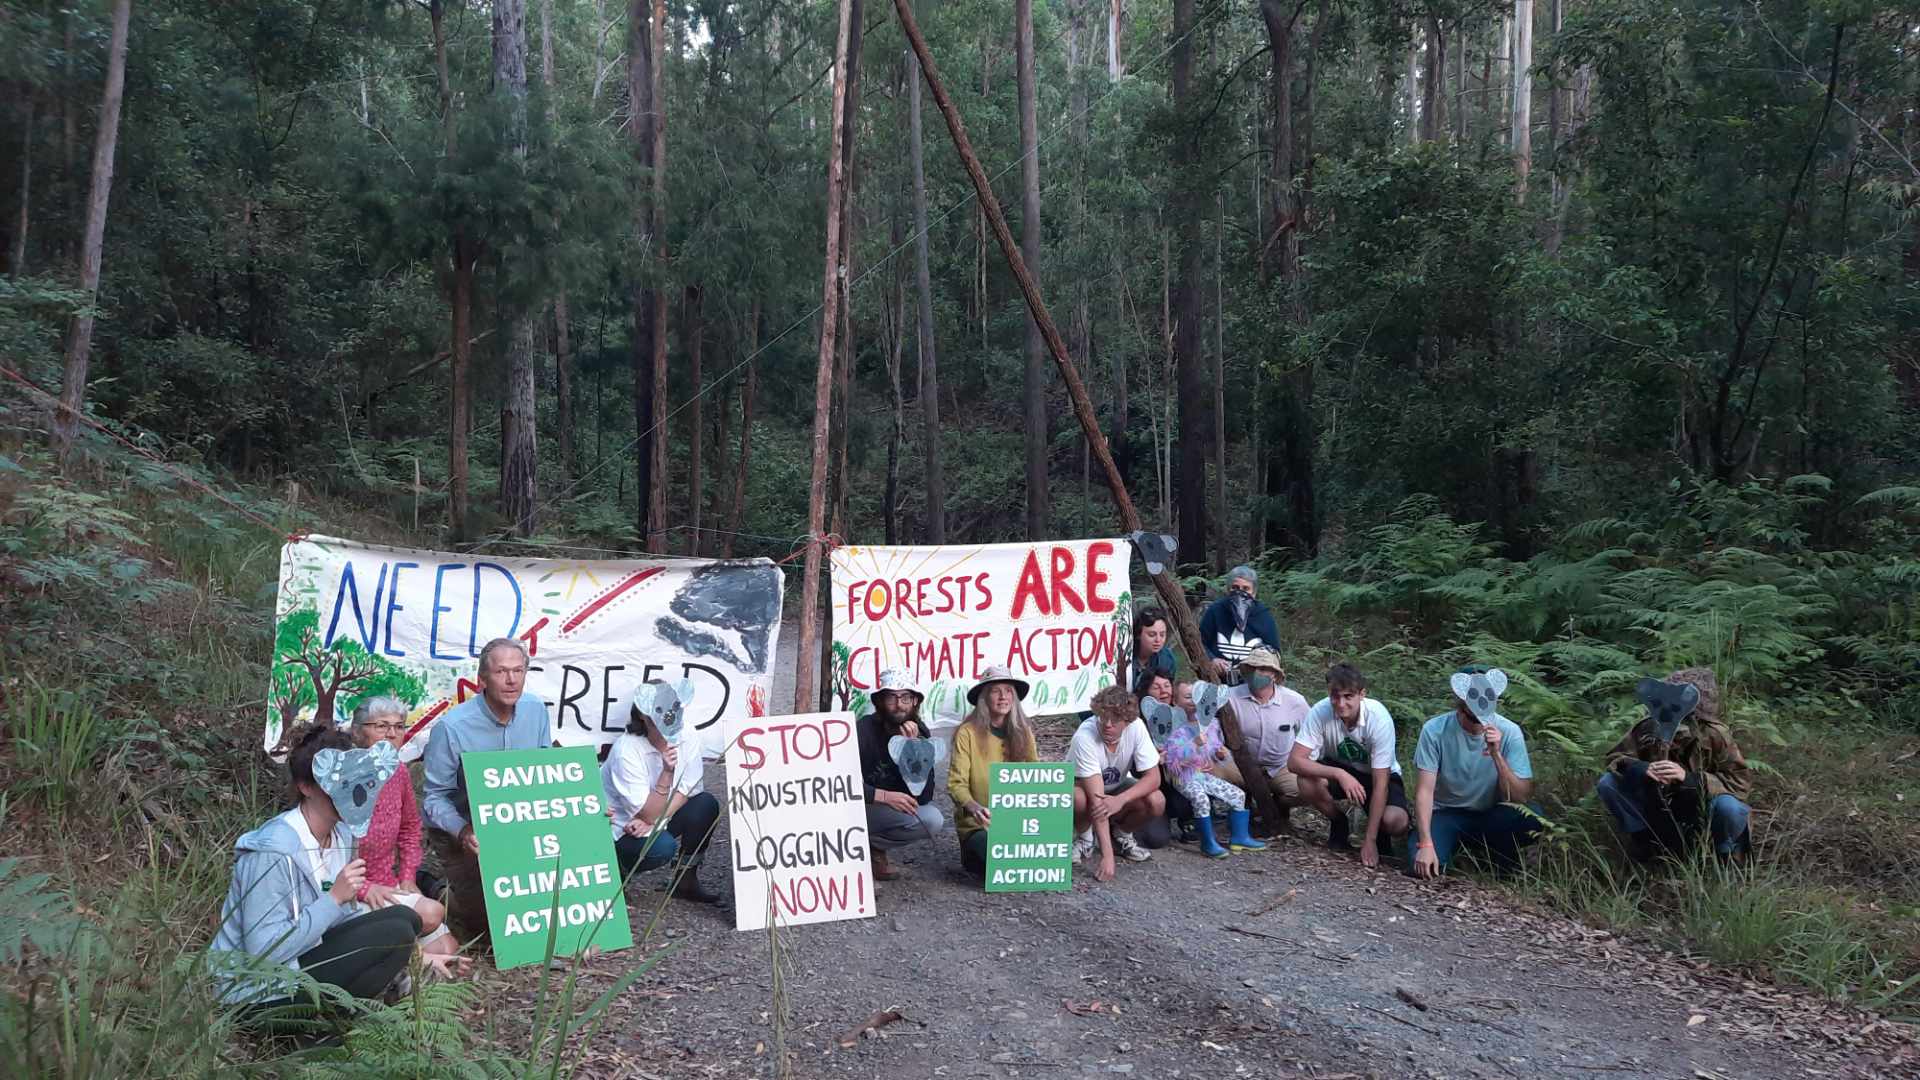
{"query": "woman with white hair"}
[(392, 844)]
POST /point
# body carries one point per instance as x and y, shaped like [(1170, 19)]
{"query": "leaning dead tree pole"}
[(1171, 597), (805, 698)]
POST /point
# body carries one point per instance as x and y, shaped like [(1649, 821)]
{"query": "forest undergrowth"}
[(137, 613)]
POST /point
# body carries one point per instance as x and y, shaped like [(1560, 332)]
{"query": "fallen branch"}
[(870, 1029), (1402, 1020)]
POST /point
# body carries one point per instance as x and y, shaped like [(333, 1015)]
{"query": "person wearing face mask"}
[(1473, 767), (1270, 714), (291, 905), (896, 815), (1236, 624)]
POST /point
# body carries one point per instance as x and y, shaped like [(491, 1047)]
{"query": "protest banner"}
[(546, 853), (797, 821), (1057, 614), (356, 620), (1030, 836)]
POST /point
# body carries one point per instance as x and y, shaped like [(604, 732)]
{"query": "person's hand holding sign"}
[(469, 841), (980, 813), (347, 885)]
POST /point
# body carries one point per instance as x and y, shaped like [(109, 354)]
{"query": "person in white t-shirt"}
[(654, 795), (1116, 781), (1344, 753)]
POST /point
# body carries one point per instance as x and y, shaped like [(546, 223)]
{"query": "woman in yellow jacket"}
[(996, 730)]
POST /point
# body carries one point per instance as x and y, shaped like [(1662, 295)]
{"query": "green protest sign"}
[(1030, 836), (541, 821)]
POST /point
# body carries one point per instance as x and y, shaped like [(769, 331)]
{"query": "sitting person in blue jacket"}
[(291, 904), (1233, 626)]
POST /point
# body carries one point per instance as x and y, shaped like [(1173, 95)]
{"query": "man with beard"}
[(1235, 625), (897, 814)]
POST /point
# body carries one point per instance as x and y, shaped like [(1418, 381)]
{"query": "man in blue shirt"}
[(1473, 763), (502, 717)]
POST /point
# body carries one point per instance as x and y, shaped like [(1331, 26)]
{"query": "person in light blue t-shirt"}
[(1474, 769), (503, 716)]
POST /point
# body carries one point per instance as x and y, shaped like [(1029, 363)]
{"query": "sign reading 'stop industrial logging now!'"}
[(1054, 614), (797, 821)]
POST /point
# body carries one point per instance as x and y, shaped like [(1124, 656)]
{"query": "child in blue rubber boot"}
[(1189, 750)]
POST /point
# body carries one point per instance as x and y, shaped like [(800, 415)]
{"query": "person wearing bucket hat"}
[(996, 730), (1270, 714), (898, 813), (1473, 767), (653, 781), (1345, 753)]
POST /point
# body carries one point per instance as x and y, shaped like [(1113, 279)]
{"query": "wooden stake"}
[(1171, 597), (805, 698)]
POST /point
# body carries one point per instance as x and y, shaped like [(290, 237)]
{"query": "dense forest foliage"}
[(1537, 261)]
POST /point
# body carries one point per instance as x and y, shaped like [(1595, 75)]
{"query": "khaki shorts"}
[(1284, 785)]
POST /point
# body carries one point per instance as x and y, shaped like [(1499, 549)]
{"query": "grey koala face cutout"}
[(1207, 699), (665, 705), (1668, 705), (1481, 692), (1156, 549), (353, 779), (916, 759), (1161, 719)]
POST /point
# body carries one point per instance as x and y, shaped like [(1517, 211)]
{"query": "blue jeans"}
[(1622, 795), (1500, 828)]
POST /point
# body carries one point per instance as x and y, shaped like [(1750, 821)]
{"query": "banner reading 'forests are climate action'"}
[(1054, 613), (358, 620)]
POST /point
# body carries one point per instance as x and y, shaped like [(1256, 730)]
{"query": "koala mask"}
[(1161, 720), (1207, 699), (1156, 549), (916, 759), (1668, 705), (1481, 692), (353, 779), (664, 705)]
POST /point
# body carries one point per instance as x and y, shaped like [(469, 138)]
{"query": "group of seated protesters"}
[(334, 887)]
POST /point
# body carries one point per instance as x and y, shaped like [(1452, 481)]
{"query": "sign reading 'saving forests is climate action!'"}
[(546, 855), (1057, 614), (1030, 837), (357, 620)]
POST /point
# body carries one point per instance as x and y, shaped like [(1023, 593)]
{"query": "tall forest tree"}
[(79, 350)]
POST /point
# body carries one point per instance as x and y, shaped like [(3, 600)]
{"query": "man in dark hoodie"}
[(1657, 791), (897, 813), (1235, 625)]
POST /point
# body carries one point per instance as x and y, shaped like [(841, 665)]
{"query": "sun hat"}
[(994, 674), (897, 681), (1263, 658)]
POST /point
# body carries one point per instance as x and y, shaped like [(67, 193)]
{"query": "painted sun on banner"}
[(359, 620), (1054, 613)]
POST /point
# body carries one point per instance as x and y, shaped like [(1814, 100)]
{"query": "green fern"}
[(33, 916)]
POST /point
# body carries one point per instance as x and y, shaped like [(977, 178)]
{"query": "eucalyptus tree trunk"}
[(519, 456), (1034, 384), (1521, 139), (1190, 376), (562, 329), (936, 477), (79, 349)]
